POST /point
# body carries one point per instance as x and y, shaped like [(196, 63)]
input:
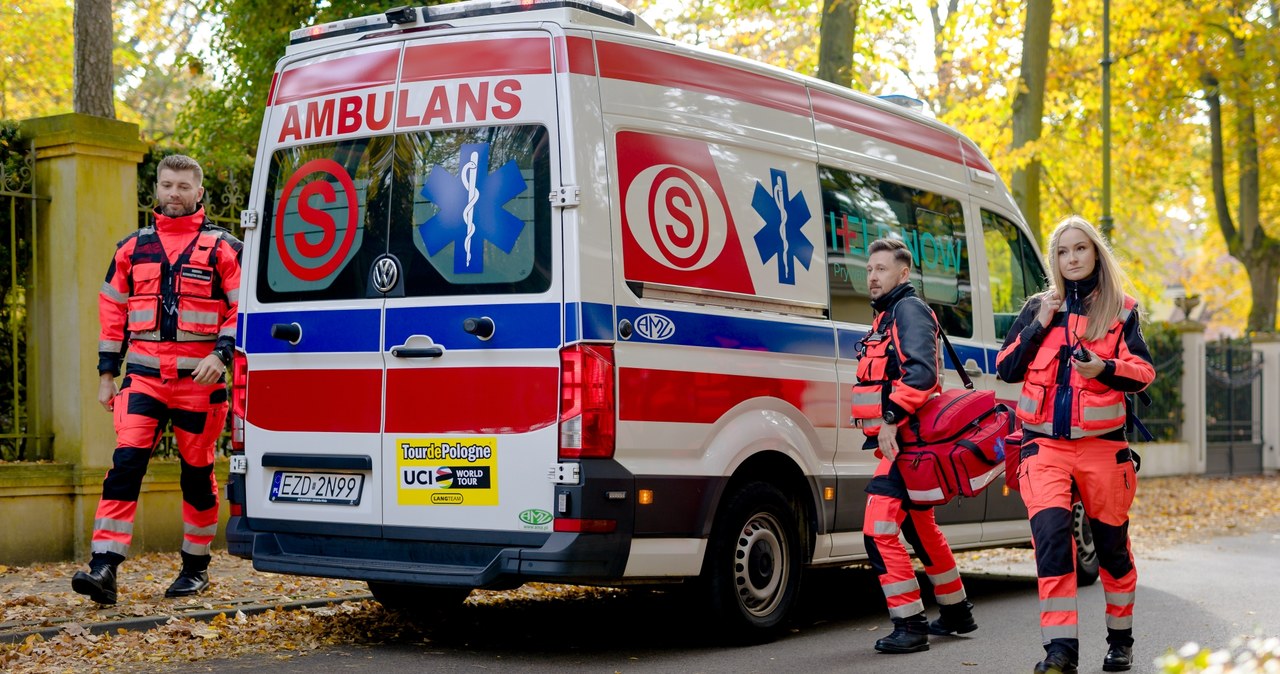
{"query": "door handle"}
[(972, 368), (417, 352)]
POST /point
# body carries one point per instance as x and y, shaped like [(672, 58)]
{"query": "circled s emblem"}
[(676, 217), (386, 273)]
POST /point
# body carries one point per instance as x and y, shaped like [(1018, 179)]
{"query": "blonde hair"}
[(1108, 299)]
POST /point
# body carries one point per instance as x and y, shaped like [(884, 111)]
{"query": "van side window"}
[(858, 209), (1014, 268)]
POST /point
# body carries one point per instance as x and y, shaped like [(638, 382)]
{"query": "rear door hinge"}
[(566, 196)]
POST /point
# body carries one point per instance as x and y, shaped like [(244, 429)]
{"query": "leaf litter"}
[(1167, 511)]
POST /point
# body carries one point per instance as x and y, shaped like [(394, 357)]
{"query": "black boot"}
[(1056, 662), (98, 583), (910, 635), (1118, 659), (193, 578), (954, 619)]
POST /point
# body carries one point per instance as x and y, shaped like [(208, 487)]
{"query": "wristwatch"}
[(890, 417)]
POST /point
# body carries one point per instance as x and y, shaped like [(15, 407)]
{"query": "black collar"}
[(887, 300)]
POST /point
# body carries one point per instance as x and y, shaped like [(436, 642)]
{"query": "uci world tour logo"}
[(472, 208), (783, 216)]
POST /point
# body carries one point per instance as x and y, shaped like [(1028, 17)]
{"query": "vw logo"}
[(385, 274)]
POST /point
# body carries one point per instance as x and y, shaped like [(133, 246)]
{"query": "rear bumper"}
[(562, 557)]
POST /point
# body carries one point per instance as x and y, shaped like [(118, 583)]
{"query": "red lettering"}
[(469, 101), (375, 122), (506, 93), (402, 111), (317, 217), (291, 127), (319, 119), (437, 107), (349, 114)]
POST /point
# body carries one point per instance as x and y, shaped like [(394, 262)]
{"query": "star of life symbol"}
[(783, 217), (472, 208)]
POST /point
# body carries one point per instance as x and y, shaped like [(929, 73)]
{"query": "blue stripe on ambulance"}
[(323, 331), (692, 329), (516, 326)]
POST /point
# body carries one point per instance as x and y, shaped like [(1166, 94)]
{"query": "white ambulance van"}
[(534, 294)]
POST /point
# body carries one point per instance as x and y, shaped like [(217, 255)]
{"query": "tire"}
[(418, 599), (751, 573), (1086, 553)]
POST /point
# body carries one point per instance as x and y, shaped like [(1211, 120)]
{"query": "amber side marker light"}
[(645, 497), (828, 493)]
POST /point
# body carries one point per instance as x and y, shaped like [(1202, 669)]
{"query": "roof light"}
[(356, 25)]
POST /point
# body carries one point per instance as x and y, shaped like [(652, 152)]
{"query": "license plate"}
[(329, 488)]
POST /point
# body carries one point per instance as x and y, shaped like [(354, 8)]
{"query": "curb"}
[(147, 622)]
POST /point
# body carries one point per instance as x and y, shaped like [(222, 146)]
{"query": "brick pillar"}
[(87, 166), (1194, 424), (1268, 344)]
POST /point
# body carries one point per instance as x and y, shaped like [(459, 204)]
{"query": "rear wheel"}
[(1086, 552), (751, 574), (418, 598)]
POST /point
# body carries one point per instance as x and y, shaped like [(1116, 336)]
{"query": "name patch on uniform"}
[(198, 273)]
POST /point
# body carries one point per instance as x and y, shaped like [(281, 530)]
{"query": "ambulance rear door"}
[(473, 323), (312, 314)]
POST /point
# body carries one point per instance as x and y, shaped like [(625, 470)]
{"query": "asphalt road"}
[(1207, 593)]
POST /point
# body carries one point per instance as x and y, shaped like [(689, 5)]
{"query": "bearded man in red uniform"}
[(168, 312)]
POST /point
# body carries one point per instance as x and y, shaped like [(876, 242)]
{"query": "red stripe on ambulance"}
[(480, 58), (335, 76), (319, 401), (887, 126), (477, 400), (704, 397), (636, 64)]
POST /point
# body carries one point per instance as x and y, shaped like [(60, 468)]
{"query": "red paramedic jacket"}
[(170, 298)]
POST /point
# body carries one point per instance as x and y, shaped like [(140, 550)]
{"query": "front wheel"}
[(751, 573)]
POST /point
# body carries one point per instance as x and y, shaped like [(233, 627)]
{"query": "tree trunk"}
[(1246, 239), (1028, 110), (835, 42), (94, 91)]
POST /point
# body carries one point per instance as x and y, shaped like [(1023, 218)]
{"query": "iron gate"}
[(1233, 408)]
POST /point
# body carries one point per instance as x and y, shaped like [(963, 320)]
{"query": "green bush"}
[(1164, 417), (1246, 655)]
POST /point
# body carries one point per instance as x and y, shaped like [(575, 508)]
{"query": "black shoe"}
[(187, 584), (1056, 662), (1118, 659), (98, 584), (954, 619), (910, 635)]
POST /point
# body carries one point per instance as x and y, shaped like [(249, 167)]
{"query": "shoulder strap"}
[(951, 350)]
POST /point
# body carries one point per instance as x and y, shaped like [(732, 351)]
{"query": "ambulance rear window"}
[(464, 211)]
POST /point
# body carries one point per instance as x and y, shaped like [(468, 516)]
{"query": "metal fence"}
[(1234, 408), (19, 386)]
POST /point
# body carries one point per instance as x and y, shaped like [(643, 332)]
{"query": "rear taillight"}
[(587, 408), (239, 398)]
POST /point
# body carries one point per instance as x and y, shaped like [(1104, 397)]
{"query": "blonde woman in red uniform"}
[(1078, 349)]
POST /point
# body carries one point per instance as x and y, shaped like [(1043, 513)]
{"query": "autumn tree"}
[(93, 76), (1240, 56), (835, 50), (35, 72), (1028, 110)]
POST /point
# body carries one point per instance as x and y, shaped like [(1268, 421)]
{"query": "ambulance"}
[(534, 294)]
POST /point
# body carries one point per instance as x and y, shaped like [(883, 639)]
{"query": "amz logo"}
[(655, 327), (535, 517)]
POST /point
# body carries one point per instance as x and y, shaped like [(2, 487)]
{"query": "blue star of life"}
[(783, 216), (472, 209)]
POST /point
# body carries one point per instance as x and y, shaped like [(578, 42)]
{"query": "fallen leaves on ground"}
[(1167, 511)]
